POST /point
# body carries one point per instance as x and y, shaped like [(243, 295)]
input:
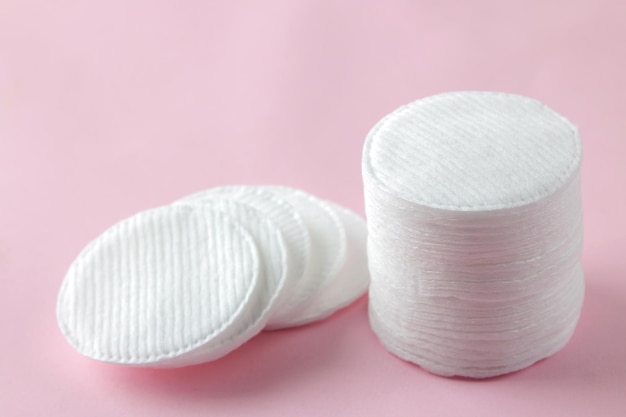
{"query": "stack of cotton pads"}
[(475, 232), (190, 282)]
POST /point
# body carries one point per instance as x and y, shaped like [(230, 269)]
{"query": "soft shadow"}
[(264, 364)]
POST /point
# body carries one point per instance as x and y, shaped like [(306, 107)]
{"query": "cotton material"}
[(349, 282), (474, 232), (327, 254), (156, 288), (290, 223), (190, 282), (274, 270)]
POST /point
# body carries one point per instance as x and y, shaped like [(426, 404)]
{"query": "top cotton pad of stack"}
[(475, 232)]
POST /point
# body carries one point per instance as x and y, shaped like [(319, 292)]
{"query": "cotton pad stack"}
[(475, 232), (190, 282)]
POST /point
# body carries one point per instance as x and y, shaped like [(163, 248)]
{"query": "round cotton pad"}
[(284, 216), (453, 151), (346, 284), (327, 256), (273, 257), (155, 288)]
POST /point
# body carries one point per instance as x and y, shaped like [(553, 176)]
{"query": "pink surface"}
[(111, 107)]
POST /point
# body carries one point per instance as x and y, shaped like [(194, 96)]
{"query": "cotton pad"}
[(156, 288), (275, 266), (472, 151), (335, 273), (327, 255), (474, 232), (189, 283), (349, 282), (289, 222)]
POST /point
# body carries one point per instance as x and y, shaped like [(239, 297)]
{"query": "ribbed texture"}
[(475, 232), (288, 220), (190, 282), (346, 284), (327, 255), (275, 270), (157, 285), (472, 151)]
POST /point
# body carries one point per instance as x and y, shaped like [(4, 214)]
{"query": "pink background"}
[(111, 107)]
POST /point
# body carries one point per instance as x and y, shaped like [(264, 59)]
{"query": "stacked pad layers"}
[(474, 232)]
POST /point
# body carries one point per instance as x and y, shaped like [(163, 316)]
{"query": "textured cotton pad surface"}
[(327, 253), (155, 288), (285, 217), (347, 283), (453, 151), (474, 232), (273, 259)]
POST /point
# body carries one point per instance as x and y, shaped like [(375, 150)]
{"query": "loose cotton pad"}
[(348, 283), (286, 218), (156, 288), (191, 282), (273, 260), (327, 254), (474, 232)]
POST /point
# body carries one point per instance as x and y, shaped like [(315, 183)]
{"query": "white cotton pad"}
[(156, 288), (474, 232), (285, 217), (327, 254), (346, 284), (273, 257), (454, 151)]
